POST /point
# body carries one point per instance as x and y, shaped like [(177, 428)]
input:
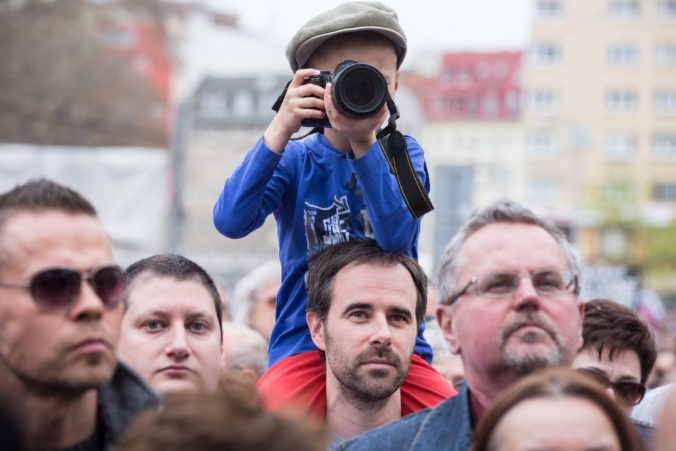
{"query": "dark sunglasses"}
[(626, 392), (59, 287)]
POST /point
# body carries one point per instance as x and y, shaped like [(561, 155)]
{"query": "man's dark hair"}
[(178, 267), (40, 195), (328, 263), (609, 325)]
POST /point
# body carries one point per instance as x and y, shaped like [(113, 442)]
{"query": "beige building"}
[(599, 82)]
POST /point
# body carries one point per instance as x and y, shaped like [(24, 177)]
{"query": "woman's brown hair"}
[(556, 383)]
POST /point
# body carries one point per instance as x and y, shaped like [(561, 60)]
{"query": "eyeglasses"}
[(547, 282), (59, 287), (626, 392)]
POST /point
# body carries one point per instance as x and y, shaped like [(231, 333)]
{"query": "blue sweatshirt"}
[(317, 202)]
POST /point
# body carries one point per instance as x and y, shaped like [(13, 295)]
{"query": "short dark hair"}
[(609, 325), (43, 194), (178, 267), (40, 195), (329, 262), (559, 382)]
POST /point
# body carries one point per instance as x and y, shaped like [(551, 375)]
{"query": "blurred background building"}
[(148, 105)]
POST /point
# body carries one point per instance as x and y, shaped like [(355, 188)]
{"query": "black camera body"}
[(359, 91)]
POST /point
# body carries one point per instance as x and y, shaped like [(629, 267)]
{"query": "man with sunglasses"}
[(618, 352), (59, 321), (508, 288)]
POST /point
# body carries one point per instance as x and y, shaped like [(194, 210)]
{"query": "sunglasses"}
[(57, 288), (626, 392)]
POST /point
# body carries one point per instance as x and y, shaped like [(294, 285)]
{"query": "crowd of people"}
[(345, 342)]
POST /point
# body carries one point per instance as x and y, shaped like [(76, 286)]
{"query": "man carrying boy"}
[(332, 187)]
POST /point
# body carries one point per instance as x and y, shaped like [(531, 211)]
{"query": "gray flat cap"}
[(346, 18)]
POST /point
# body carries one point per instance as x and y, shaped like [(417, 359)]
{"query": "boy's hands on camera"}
[(302, 101), (360, 133)]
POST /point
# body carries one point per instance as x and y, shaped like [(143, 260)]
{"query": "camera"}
[(359, 91)]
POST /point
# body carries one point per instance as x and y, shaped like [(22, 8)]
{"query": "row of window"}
[(546, 101), (544, 190), (616, 146), (468, 74), (623, 54), (488, 104), (615, 9)]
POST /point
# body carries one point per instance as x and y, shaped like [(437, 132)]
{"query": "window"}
[(548, 9), (619, 192), (665, 101), (665, 54), (666, 9), (489, 105), (512, 102), (623, 9), (664, 191), (622, 54), (542, 190), (543, 101), (664, 146), (621, 101), (619, 146), (545, 53), (541, 144), (243, 103), (213, 105)]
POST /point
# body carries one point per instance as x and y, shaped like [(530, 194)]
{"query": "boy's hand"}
[(298, 105), (361, 133)]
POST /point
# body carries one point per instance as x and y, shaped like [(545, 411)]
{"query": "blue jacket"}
[(448, 426), (319, 196)]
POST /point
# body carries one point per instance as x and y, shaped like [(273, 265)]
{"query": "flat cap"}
[(347, 17)]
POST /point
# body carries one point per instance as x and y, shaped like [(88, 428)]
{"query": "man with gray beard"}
[(508, 306)]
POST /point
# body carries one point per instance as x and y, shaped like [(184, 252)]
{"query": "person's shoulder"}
[(401, 433)]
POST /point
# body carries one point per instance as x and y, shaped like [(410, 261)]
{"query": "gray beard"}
[(524, 363)]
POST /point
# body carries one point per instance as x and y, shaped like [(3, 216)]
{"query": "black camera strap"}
[(394, 147)]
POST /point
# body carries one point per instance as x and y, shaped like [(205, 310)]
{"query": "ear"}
[(447, 325), (396, 80), (316, 327)]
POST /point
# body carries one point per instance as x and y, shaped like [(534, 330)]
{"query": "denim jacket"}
[(448, 426)]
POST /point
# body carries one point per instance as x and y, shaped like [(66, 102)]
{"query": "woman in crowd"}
[(559, 410)]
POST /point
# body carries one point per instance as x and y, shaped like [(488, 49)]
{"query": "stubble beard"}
[(370, 387), (71, 382)]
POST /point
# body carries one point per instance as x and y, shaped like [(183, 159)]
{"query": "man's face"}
[(523, 331), (67, 349), (262, 315), (623, 367), (369, 332), (170, 334)]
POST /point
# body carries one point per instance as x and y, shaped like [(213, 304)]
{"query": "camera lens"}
[(359, 90)]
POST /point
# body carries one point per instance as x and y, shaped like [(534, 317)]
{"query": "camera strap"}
[(394, 147)]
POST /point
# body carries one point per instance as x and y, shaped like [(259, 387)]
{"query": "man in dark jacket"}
[(59, 322)]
